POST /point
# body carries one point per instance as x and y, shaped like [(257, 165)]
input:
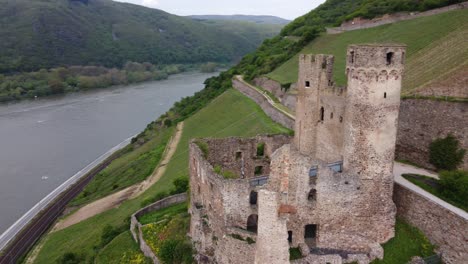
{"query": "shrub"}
[(454, 186), (445, 153), (167, 122), (175, 251), (70, 258), (108, 234), (294, 253), (181, 185), (203, 147)]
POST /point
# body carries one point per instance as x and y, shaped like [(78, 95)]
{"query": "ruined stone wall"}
[(235, 250), (206, 207), (330, 131), (315, 75), (272, 239), (272, 112), (218, 205), (444, 228), (422, 121), (239, 155), (360, 23)]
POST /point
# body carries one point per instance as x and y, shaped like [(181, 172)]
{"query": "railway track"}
[(30, 234)]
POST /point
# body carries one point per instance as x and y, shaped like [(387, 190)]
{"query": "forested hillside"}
[(49, 33)]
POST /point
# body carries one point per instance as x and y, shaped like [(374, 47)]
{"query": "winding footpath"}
[(116, 199), (398, 168)]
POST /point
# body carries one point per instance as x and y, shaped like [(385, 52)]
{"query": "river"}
[(46, 141)]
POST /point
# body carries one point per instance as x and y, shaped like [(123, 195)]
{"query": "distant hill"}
[(253, 29), (50, 33), (270, 20)]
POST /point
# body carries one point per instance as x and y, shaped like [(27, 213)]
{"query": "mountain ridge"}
[(51, 33)]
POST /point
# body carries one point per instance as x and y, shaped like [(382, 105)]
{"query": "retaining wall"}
[(272, 112), (360, 23), (422, 121), (136, 227), (444, 228)]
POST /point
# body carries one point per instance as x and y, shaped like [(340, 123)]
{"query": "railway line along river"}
[(44, 142)]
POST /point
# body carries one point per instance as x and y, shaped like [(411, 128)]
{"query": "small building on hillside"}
[(326, 192)]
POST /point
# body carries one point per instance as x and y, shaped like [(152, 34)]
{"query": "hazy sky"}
[(289, 9)]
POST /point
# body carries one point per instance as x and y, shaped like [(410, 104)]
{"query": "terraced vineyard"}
[(437, 49)]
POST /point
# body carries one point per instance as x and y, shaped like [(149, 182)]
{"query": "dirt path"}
[(116, 199)]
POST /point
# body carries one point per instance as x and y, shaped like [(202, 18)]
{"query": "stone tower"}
[(374, 75), (315, 75)]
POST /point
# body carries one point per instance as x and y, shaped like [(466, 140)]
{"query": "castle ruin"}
[(327, 191)]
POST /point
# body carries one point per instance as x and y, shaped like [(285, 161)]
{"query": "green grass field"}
[(135, 165), (436, 47), (123, 249), (231, 114), (166, 214), (408, 242)]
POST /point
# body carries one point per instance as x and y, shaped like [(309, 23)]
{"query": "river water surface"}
[(44, 142)]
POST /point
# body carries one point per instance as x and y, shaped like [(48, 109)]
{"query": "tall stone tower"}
[(315, 75), (374, 75)]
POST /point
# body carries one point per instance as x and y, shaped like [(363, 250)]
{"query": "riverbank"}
[(64, 80), (44, 142)]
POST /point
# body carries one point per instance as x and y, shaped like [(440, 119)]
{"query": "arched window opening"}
[(389, 58), (312, 196), (253, 197), (322, 114), (252, 223), (385, 95)]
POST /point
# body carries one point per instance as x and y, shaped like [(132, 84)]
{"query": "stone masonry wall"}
[(443, 227), (135, 226), (422, 121), (274, 114), (270, 85)]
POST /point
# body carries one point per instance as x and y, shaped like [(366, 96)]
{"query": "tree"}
[(454, 186), (445, 153), (181, 185)]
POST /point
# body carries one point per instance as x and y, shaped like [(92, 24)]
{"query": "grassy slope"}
[(133, 167), (436, 44), (231, 114), (163, 214), (123, 248)]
